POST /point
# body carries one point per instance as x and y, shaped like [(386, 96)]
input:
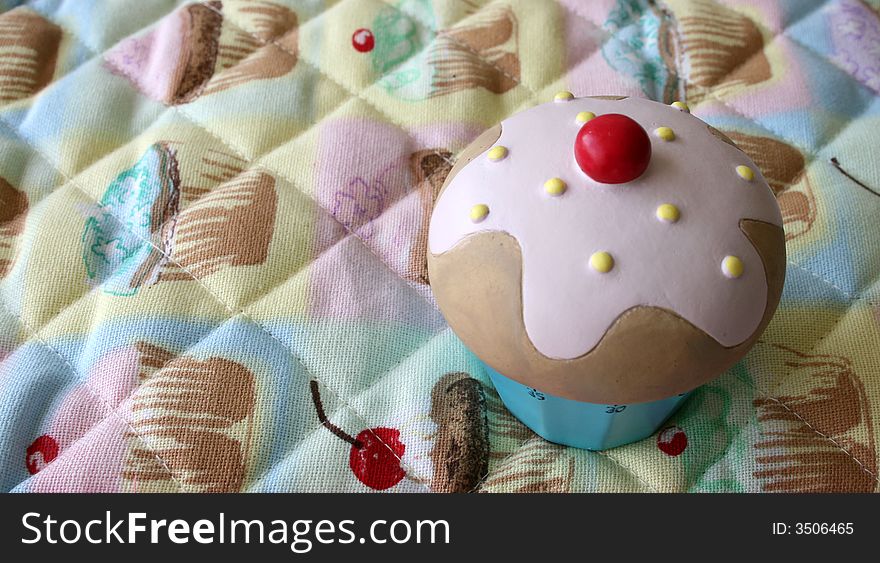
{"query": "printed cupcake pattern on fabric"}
[(29, 45), (855, 31), (819, 100), (138, 235), (643, 44), (128, 237), (481, 52), (192, 52), (195, 416), (13, 212), (83, 432), (822, 440), (460, 454), (230, 226), (722, 63)]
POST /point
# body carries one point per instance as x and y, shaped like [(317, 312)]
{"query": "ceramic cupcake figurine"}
[(604, 257)]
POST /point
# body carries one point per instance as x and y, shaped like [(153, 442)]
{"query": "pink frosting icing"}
[(568, 306)]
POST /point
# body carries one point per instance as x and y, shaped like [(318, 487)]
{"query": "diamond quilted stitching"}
[(24, 169), (91, 400), (353, 303), (390, 39), (98, 25), (72, 123), (445, 416), (257, 249), (457, 72), (845, 33), (25, 179), (229, 393), (172, 149), (775, 16), (295, 100), (30, 399), (847, 215), (322, 453), (94, 285), (297, 166), (856, 143), (816, 110), (48, 32)]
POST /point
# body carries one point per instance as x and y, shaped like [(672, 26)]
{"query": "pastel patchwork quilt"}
[(213, 225)]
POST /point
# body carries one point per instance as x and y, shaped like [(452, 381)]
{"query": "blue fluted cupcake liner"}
[(590, 426)]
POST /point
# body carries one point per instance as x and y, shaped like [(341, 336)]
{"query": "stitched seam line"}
[(807, 423), (242, 154), (311, 64), (815, 156), (414, 477), (805, 46), (233, 311), (446, 35), (110, 410), (211, 292), (714, 95), (227, 307), (843, 292), (29, 5), (370, 103), (626, 468)]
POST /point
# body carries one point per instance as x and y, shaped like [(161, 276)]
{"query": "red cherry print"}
[(363, 41), (40, 453), (375, 454), (672, 441), (372, 459), (612, 149)]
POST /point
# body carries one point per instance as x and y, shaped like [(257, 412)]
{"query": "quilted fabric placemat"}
[(213, 225)]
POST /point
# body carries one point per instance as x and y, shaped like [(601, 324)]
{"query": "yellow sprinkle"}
[(668, 213), (665, 133), (732, 267), (745, 172), (584, 116), (681, 106), (563, 96), (479, 212), (555, 186), (497, 153), (601, 261)]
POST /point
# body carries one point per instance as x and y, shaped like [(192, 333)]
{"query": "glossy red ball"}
[(612, 149), (363, 41), (376, 463)]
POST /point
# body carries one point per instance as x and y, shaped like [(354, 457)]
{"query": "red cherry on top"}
[(363, 41), (612, 149)]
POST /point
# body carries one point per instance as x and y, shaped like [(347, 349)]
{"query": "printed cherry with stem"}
[(375, 453)]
